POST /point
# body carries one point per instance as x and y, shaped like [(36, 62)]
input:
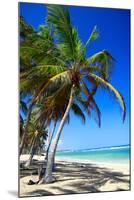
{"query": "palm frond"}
[(83, 104), (23, 106), (25, 29), (67, 35), (93, 36), (78, 112), (102, 60), (101, 82), (54, 106), (95, 111), (90, 102), (38, 76), (63, 77)]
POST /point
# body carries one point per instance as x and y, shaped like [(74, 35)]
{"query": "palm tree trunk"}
[(50, 140), (26, 127), (32, 150), (48, 173)]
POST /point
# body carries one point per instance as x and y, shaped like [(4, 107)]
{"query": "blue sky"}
[(114, 28)]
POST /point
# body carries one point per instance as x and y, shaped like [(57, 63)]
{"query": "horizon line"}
[(94, 148)]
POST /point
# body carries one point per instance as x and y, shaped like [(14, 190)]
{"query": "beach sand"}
[(75, 177)]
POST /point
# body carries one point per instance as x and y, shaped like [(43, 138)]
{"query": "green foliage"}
[(53, 60), (25, 29), (103, 61), (65, 33), (110, 88), (34, 127), (93, 36), (78, 112)]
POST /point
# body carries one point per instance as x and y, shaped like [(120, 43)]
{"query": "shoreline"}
[(25, 157), (76, 177), (105, 163), (121, 166)]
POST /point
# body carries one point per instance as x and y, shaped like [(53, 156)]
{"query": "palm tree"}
[(36, 49), (22, 112), (53, 109), (79, 73), (36, 132), (72, 77)]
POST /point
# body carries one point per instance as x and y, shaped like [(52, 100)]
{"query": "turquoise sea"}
[(118, 154)]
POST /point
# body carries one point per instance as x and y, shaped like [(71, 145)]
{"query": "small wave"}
[(106, 148), (66, 151), (120, 147), (96, 149)]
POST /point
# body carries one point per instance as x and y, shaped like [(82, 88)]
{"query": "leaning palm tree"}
[(82, 75), (37, 49), (73, 75), (37, 134), (52, 110)]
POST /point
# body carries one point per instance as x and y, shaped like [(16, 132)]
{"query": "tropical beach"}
[(76, 176), (65, 78)]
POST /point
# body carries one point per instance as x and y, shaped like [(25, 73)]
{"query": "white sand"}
[(76, 177)]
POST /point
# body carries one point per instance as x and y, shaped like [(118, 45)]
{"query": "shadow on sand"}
[(76, 178)]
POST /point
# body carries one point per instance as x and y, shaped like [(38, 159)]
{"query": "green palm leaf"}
[(93, 36), (62, 78), (66, 33), (102, 60), (100, 81), (78, 112), (38, 76), (91, 104)]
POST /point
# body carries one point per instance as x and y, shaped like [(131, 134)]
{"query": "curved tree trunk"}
[(50, 140), (26, 127), (32, 150), (48, 173)]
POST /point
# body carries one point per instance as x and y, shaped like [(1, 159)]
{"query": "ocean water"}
[(118, 154)]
